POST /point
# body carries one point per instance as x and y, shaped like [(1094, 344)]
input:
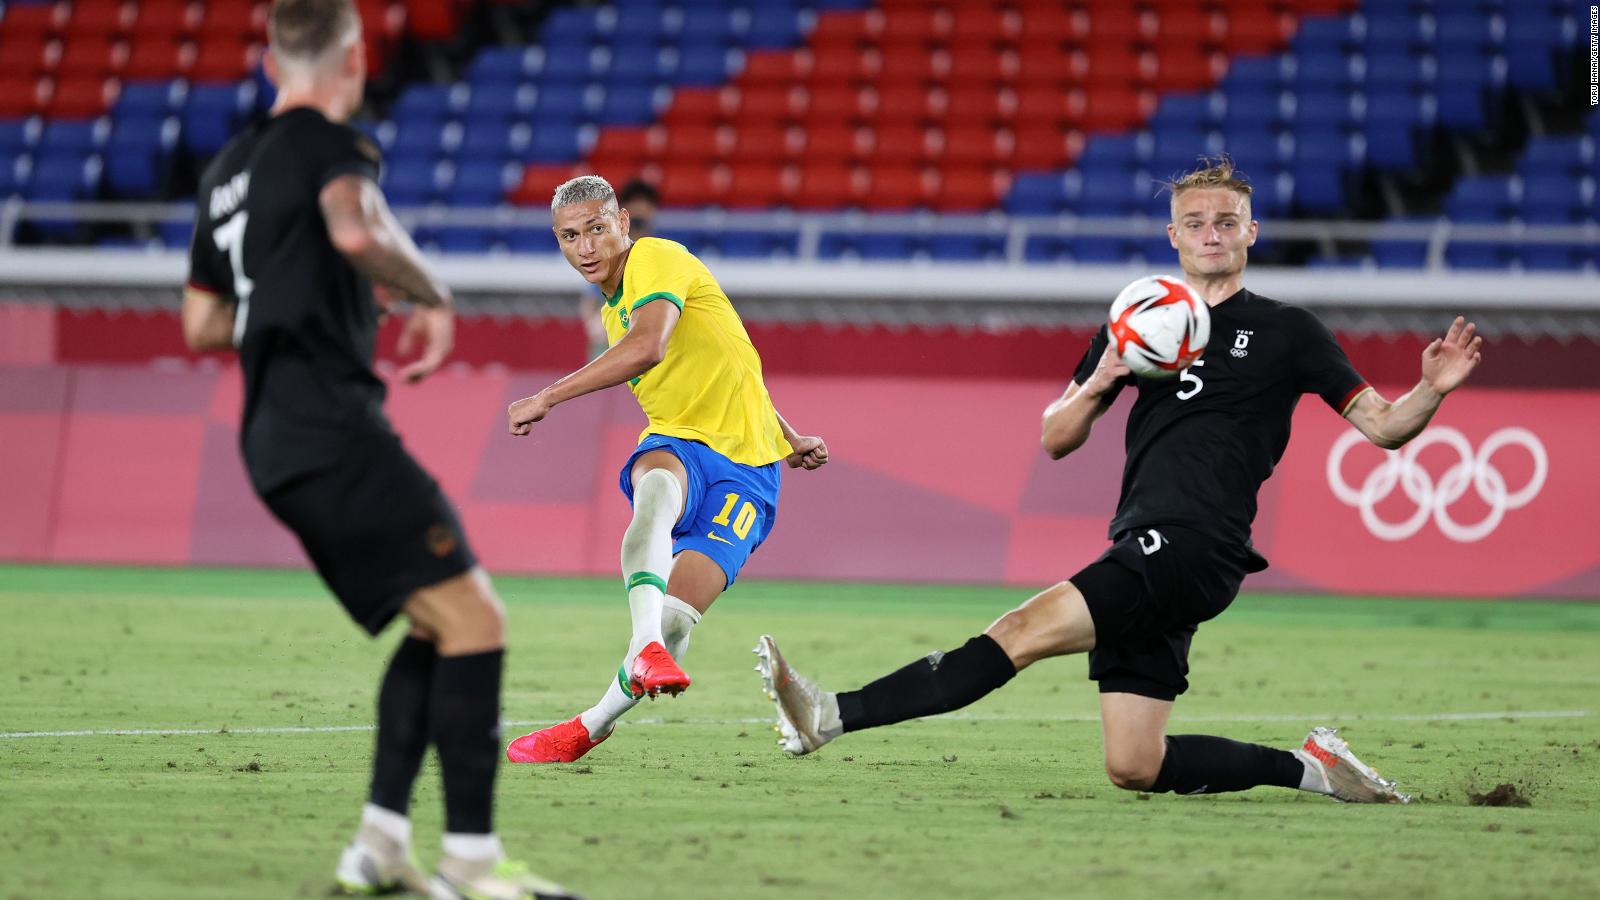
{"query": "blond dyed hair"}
[(1213, 174)]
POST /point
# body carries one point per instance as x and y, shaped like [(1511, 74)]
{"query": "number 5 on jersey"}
[(229, 238), (1187, 376)]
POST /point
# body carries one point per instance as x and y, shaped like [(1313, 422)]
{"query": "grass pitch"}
[(692, 799)]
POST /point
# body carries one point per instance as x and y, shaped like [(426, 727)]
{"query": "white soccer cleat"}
[(1344, 777), (375, 863), (492, 879), (802, 706)]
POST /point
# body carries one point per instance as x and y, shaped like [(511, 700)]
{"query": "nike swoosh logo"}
[(717, 537)]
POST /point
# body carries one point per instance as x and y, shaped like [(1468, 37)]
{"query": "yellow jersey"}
[(708, 388)]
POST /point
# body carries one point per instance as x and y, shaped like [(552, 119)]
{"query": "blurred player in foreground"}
[(642, 201), (1199, 448), (704, 479), (290, 235)]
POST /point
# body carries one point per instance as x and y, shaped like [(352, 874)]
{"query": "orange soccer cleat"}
[(655, 672), (563, 743)]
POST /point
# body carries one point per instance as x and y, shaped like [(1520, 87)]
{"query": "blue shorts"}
[(729, 509)]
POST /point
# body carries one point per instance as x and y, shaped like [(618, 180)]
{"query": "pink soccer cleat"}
[(655, 672), (563, 743)]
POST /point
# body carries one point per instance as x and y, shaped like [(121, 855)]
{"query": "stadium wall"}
[(932, 479)]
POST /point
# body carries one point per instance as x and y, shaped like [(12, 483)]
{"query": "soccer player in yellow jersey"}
[(704, 479)]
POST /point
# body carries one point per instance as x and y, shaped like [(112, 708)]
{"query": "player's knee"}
[(1033, 631), (468, 617), (1132, 774), (656, 492)]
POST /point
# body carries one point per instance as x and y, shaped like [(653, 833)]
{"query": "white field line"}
[(1307, 717)]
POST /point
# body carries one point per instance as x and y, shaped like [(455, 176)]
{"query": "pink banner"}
[(931, 480)]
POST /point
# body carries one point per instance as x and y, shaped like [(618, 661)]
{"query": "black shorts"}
[(377, 528), (1147, 594)]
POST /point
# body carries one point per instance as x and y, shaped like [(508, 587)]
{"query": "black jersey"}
[(305, 323), (1200, 445)]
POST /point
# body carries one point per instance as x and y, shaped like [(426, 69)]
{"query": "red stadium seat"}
[(977, 106), (981, 65), (965, 190), (20, 96), (539, 183), (912, 26), (1113, 107), (690, 142), (704, 105), (981, 24), (23, 58), (90, 57), (1111, 65), (155, 58), (903, 104), (843, 66), (31, 24), (913, 67), (895, 188), (623, 148), (236, 21), (693, 184), (759, 186), (975, 147), (899, 145), (831, 102), (83, 98), (762, 143), (1047, 105), (768, 103), (1255, 30), (432, 20), (1112, 24), (833, 186), (222, 60), (841, 30), (103, 18), (1182, 68), (1046, 21), (166, 18), (773, 67), (1184, 26), (833, 143), (1040, 64), (1039, 146)]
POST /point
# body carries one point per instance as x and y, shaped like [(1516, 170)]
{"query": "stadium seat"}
[(211, 114), (139, 156), (828, 187)]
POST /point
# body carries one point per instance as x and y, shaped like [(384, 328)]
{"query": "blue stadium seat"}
[(641, 25), (463, 239), (1394, 252), (568, 25), (886, 246), (1324, 107), (1465, 80), (1045, 249), (1107, 196), (1184, 111), (1254, 148), (1553, 199), (1326, 34), (1156, 251), (17, 137), (1176, 150), (1399, 70), (482, 184), (139, 156), (774, 24), (212, 113), (628, 106), (1105, 152), (411, 182), (73, 138), (1460, 255), (147, 98), (1036, 194), (702, 65), (1482, 198), (1270, 193), (1093, 249), (494, 143), (572, 63), (553, 142), (1321, 159), (499, 102), (15, 167), (429, 101), (710, 23), (418, 139), (501, 65), (1322, 70), (1394, 118), (757, 244), (175, 235), (965, 247), (561, 103), (1532, 39), (1254, 106), (64, 177), (1571, 155), (1393, 32), (1459, 28), (529, 239), (1254, 73)]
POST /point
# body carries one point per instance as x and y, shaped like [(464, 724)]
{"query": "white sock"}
[(473, 846), (1310, 779), (647, 553), (386, 822), (828, 721), (678, 618)]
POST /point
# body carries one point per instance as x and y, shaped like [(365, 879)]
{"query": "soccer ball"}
[(1159, 326)]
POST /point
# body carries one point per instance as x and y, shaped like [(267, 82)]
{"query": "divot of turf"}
[(1503, 794)]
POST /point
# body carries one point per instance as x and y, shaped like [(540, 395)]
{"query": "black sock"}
[(936, 683), (1202, 764), (464, 723), (402, 724)]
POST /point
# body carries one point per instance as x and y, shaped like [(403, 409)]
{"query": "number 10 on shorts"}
[(746, 520)]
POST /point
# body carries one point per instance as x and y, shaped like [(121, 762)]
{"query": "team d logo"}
[(1466, 498), (1241, 343)]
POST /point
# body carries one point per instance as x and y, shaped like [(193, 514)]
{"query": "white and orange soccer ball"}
[(1159, 325)]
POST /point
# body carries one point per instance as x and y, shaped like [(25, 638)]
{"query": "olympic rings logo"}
[(1474, 470)]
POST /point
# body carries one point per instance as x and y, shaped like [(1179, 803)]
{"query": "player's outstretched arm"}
[(364, 230), (1068, 420), (207, 320), (810, 451), (640, 350), (1446, 363)]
